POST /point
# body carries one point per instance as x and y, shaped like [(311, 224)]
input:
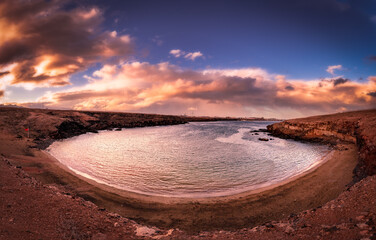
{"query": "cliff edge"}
[(355, 127)]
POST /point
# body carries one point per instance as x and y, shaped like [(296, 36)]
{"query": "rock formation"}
[(355, 127)]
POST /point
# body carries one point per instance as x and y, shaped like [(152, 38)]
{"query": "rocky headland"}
[(353, 127), (45, 125), (40, 200)]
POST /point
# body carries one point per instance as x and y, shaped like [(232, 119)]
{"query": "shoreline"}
[(182, 199), (313, 199), (306, 190)]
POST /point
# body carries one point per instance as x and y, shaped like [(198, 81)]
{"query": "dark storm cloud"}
[(12, 51), (372, 94), (49, 42)]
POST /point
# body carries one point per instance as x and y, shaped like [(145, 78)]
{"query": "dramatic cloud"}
[(188, 55), (331, 69), (166, 88), (42, 42)]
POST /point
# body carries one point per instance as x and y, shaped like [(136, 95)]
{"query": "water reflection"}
[(191, 160)]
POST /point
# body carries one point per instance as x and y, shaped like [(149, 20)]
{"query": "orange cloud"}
[(45, 43), (1, 91), (166, 88)]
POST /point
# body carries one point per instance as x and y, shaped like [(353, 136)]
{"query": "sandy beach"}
[(305, 191)]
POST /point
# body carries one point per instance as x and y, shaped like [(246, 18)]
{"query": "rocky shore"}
[(352, 127), (46, 125), (40, 200)]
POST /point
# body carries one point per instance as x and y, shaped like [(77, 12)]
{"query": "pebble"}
[(269, 225), (144, 231), (113, 215), (342, 226), (359, 218), (281, 225), (289, 230), (362, 225), (99, 236)]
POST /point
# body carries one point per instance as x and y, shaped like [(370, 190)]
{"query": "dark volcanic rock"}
[(69, 129), (260, 130)]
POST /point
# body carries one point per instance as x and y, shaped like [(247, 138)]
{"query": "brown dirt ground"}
[(41, 200)]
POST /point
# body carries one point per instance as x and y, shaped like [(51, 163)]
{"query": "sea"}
[(194, 160)]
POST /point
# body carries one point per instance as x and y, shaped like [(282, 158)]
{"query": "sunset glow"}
[(102, 55)]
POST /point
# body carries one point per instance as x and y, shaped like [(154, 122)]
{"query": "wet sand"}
[(309, 190)]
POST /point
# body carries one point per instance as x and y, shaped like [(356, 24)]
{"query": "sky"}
[(269, 58)]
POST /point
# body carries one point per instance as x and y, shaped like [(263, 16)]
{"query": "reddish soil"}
[(36, 204)]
